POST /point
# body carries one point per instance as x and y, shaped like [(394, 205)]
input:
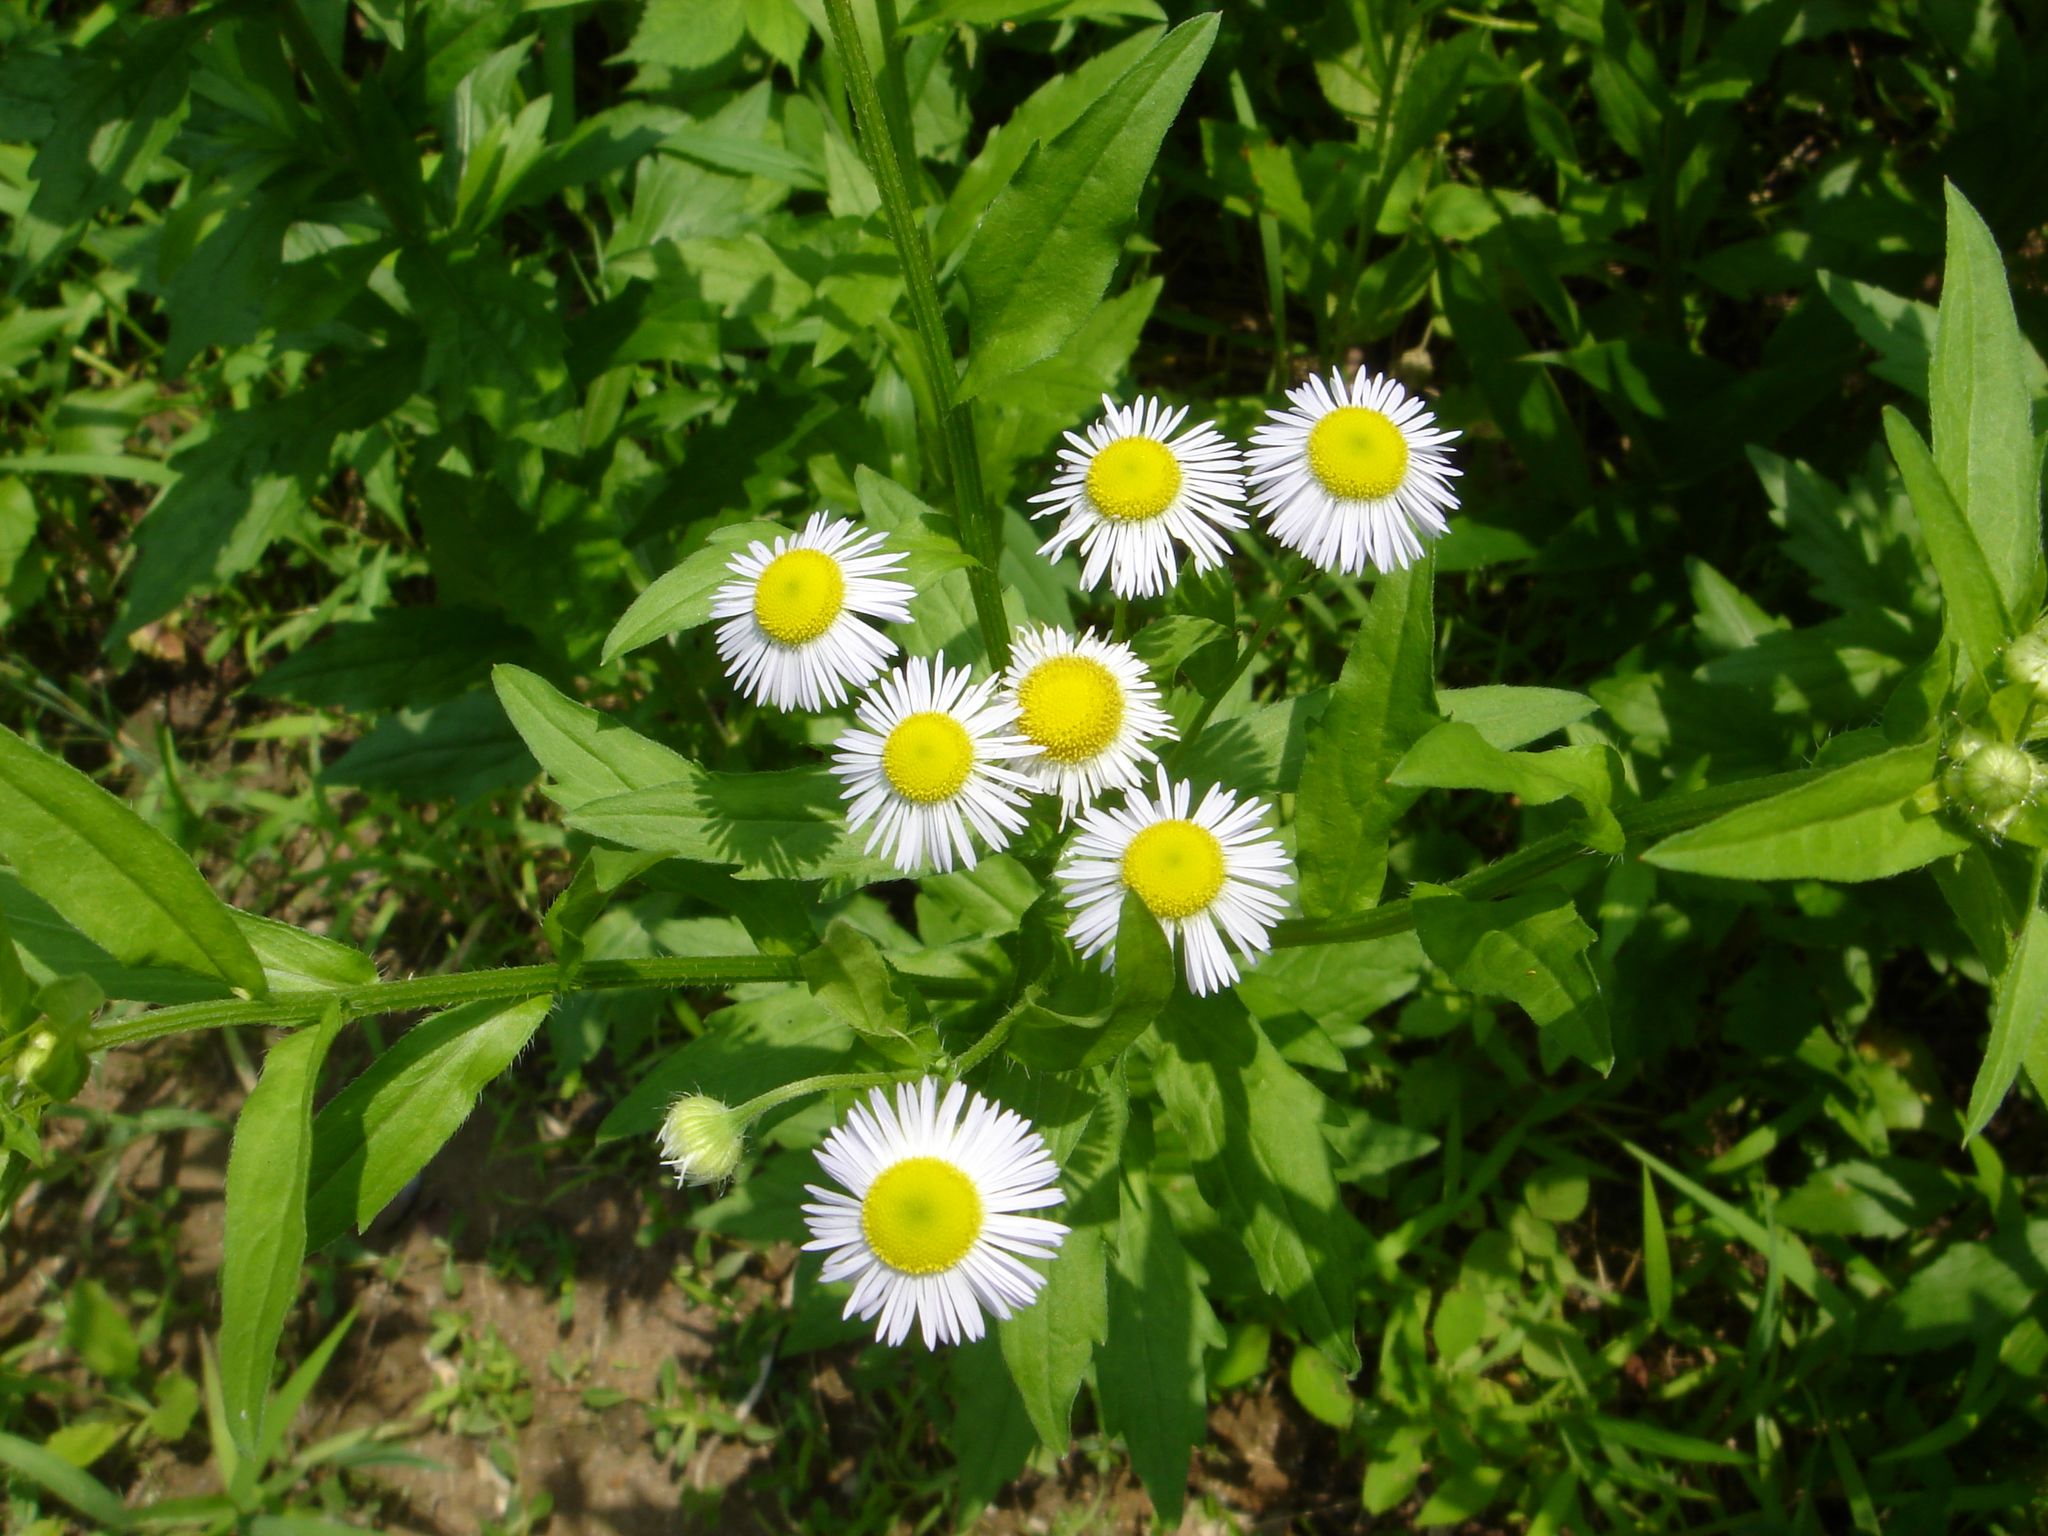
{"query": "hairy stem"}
[(979, 524)]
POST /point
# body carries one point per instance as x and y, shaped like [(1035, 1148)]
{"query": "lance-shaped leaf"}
[(847, 974), (1983, 434), (681, 598), (1975, 613), (1454, 756), (1048, 246), (1379, 707), (384, 1127), (1860, 822), (585, 753), (2019, 1012), (1151, 1371), (1253, 1128), (113, 876), (266, 1221), (1530, 949)]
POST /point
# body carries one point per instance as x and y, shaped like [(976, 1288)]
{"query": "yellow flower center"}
[(928, 757), (921, 1216), (1176, 867), (799, 596), (1133, 479), (1071, 708), (1358, 454)]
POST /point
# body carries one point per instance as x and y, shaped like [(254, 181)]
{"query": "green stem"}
[(1641, 823), (508, 984), (979, 528), (985, 1047), (756, 1107)]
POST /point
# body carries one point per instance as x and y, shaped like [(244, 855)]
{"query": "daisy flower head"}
[(1087, 709), (924, 763), (926, 1222), (1130, 490), (1353, 475), (1210, 874), (794, 631)]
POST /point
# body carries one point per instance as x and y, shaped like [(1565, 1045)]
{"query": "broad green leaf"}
[(1379, 707), (1258, 752), (942, 618), (1975, 613), (1140, 987), (1900, 330), (1049, 1346), (1454, 756), (1150, 1371), (992, 1432), (1965, 1291), (265, 1241), (681, 599), (463, 748), (99, 1333), (81, 1490), (1983, 435), (588, 755), (1530, 949), (785, 825), (1887, 1197), (399, 658), (1253, 1128), (1857, 823), (112, 876), (1046, 249), (1321, 1389), (2019, 1009), (848, 975), (383, 1128), (1513, 717)]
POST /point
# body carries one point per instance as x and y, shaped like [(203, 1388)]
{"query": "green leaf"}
[(1049, 1345), (1972, 608), (787, 825), (1321, 1389), (1145, 975), (1150, 1371), (265, 1241), (1857, 823), (992, 1434), (1966, 1291), (1656, 1253), (386, 1126), (1454, 756), (463, 749), (398, 658), (113, 877), (98, 1332), (1046, 249), (1900, 330), (1513, 717), (1379, 707), (942, 618), (1253, 1128), (81, 1490), (2019, 1008), (681, 599), (587, 754), (15, 990), (1655, 1440), (1530, 949), (848, 975), (297, 961), (1983, 435)]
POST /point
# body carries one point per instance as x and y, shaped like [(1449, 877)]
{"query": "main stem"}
[(980, 530)]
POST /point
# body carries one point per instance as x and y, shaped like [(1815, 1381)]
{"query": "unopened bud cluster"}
[(1991, 781), (702, 1139)]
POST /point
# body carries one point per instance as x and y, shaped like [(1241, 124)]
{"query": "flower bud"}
[(52, 1064), (2026, 661), (1990, 781), (702, 1139)]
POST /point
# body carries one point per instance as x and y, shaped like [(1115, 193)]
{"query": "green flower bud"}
[(2026, 661), (1990, 781), (702, 1139), (52, 1064)]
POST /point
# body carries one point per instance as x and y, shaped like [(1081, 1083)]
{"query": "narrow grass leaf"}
[(265, 1241), (1656, 1253), (113, 876)]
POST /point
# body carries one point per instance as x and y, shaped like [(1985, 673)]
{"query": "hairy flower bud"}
[(702, 1139), (2026, 661), (1990, 781)]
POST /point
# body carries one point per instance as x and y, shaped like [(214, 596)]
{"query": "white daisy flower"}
[(1088, 710), (1351, 476), (924, 763), (1208, 875), (928, 1226), (793, 632), (1130, 489)]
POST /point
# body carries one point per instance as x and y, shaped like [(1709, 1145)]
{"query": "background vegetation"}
[(352, 349)]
